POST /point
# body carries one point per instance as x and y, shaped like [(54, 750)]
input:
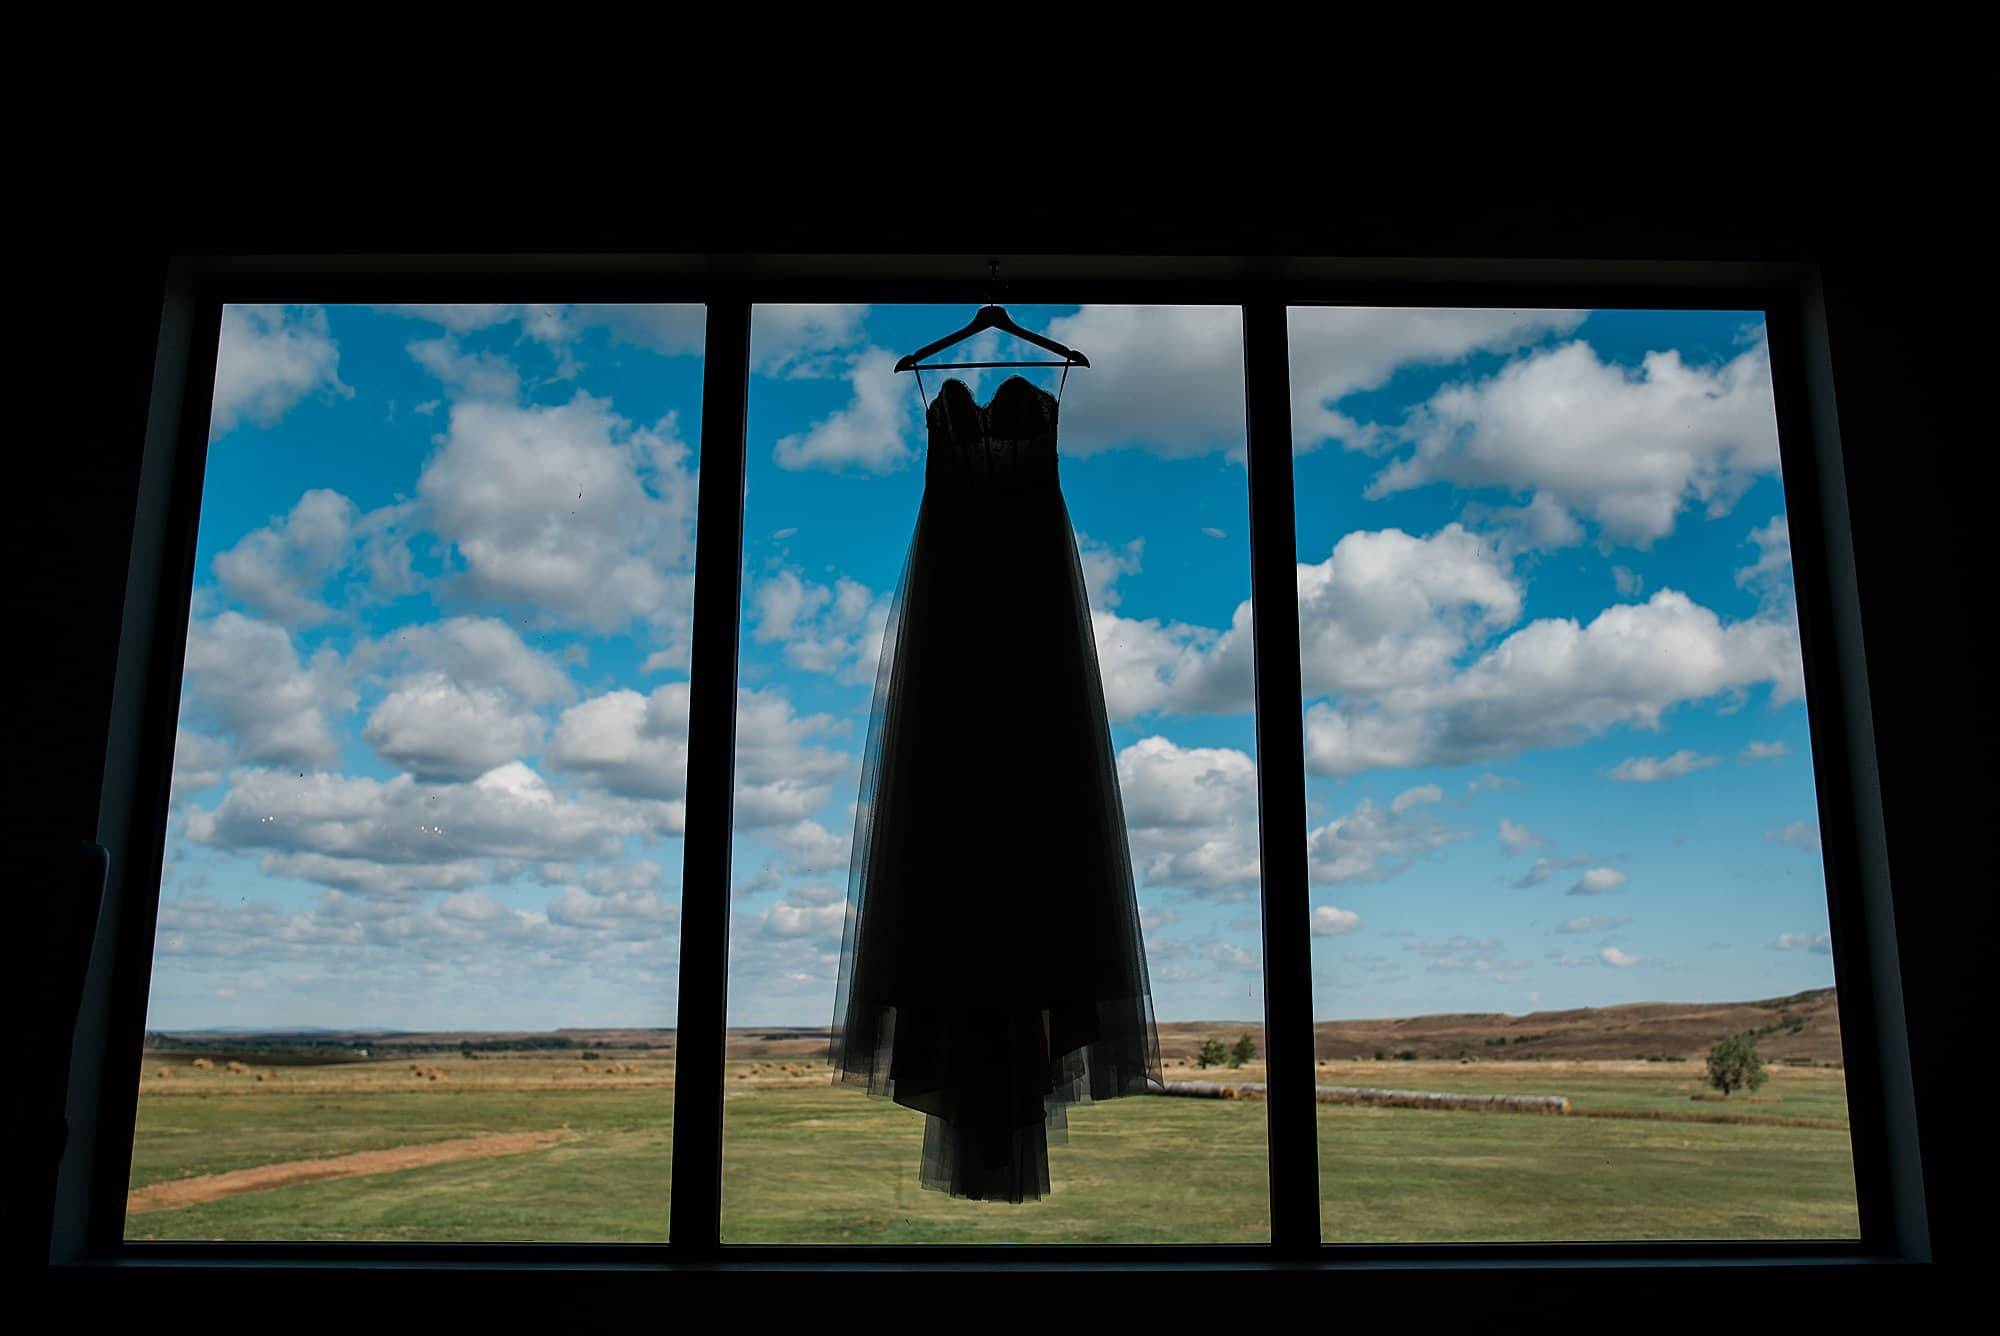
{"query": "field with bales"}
[(569, 1137)]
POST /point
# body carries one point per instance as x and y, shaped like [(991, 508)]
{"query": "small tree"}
[(1733, 1064), (1212, 1053), (1243, 1050)]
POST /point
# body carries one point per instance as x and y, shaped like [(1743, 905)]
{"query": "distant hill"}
[(1803, 1027)]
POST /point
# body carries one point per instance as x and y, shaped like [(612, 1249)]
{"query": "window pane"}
[(1151, 471), (1562, 835), (416, 963)]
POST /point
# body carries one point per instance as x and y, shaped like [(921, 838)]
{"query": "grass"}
[(804, 1162)]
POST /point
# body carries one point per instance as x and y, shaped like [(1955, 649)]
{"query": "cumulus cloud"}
[(243, 680), (267, 359), (475, 652), (626, 743), (397, 837), (281, 570), (1556, 682), (1819, 943), (467, 375), (1617, 959), (568, 512), (1765, 751), (1598, 881), (1169, 379), (1626, 449), (834, 629), (1191, 814), (802, 339), (440, 728), (1384, 609), (635, 746), (1330, 921), (1652, 769), (874, 433)]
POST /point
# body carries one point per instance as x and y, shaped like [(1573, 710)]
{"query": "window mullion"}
[(696, 1190), (1292, 1127)]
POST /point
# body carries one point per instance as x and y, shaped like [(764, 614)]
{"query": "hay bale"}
[(201, 1064), (166, 1073)]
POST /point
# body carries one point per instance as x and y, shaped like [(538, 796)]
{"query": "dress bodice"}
[(1006, 444)]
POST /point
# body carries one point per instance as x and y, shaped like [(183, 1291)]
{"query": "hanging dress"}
[(991, 970)]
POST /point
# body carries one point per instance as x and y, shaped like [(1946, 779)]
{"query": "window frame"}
[(89, 1220)]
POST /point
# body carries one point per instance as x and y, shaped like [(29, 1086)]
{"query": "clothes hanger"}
[(991, 316)]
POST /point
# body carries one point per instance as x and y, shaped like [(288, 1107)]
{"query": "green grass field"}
[(808, 1163)]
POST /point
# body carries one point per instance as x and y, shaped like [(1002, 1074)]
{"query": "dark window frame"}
[(88, 1227)]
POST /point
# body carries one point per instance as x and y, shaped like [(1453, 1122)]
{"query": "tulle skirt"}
[(992, 971)]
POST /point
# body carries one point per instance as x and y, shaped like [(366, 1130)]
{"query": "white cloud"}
[(1191, 814), (1384, 609), (874, 433), (1329, 921), (475, 652), (1629, 582), (569, 512), (1598, 881), (1516, 838), (1373, 842), (1169, 379), (267, 359), (1617, 959), (1796, 834), (399, 836), (439, 728), (1554, 683), (468, 375), (626, 743), (243, 679), (1652, 769), (1765, 751), (803, 340), (281, 569), (834, 629), (1626, 449), (1770, 574), (636, 746), (1819, 943)]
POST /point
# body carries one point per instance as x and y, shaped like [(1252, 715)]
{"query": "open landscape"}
[(567, 1135)]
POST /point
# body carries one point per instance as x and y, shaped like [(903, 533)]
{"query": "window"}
[(1564, 837), (1156, 494), (415, 968), (737, 885)]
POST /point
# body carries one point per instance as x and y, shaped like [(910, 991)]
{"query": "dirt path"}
[(210, 1187)]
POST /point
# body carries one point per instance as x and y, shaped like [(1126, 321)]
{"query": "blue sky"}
[(431, 760)]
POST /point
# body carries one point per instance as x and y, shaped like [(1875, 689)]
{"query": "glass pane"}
[(417, 953), (1563, 840), (1151, 474)]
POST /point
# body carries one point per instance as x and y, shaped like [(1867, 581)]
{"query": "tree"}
[(1733, 1064), (1244, 1049), (1212, 1053)]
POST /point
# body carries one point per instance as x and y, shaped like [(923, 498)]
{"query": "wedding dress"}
[(992, 971)]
